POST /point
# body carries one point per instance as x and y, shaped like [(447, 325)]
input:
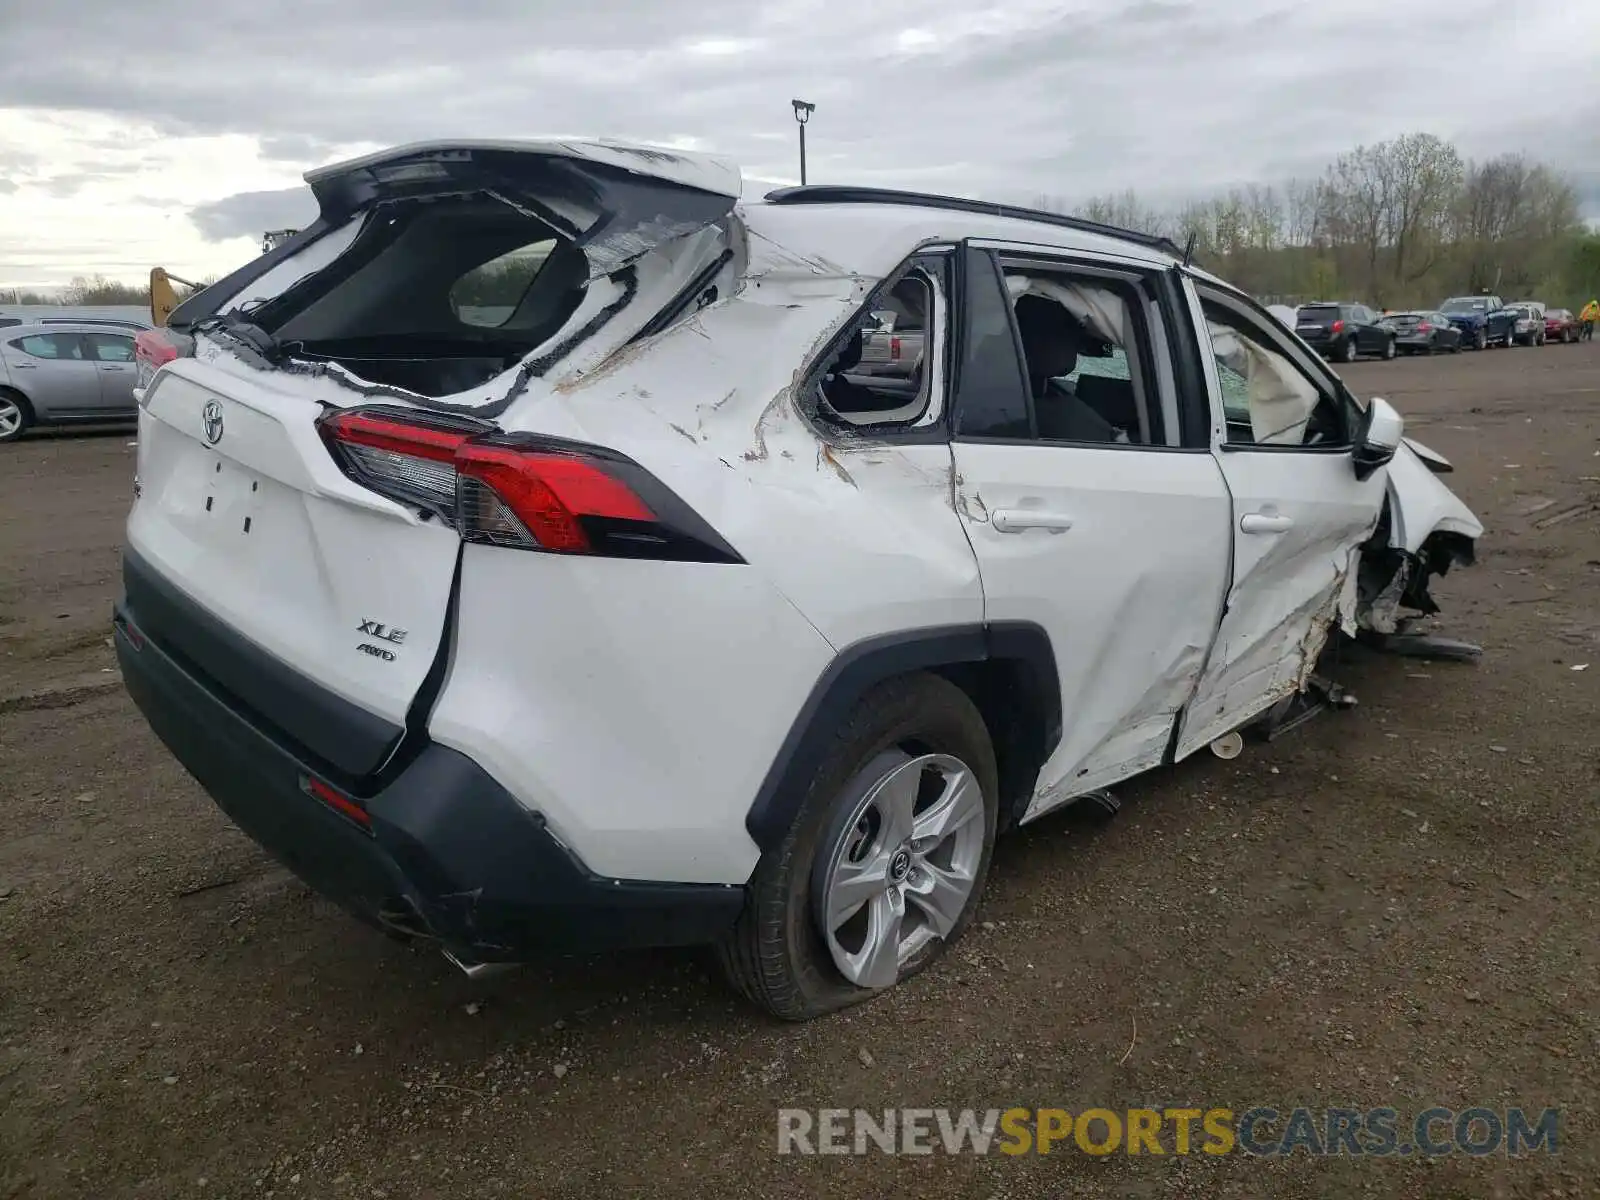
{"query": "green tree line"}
[(1399, 224)]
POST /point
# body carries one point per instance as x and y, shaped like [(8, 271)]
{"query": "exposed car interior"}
[(1267, 400), (434, 297), (1076, 337), (871, 393)]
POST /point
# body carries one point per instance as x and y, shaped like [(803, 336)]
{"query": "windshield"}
[(1465, 304)]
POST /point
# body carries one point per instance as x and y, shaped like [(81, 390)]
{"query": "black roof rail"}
[(828, 193)]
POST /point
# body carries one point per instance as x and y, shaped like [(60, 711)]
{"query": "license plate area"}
[(229, 501)]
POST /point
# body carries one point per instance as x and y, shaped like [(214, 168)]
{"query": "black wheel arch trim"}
[(867, 663)]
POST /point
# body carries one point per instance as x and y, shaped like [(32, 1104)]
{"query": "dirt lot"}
[(1391, 906)]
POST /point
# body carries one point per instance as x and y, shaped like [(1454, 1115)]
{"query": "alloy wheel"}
[(11, 419), (904, 869)]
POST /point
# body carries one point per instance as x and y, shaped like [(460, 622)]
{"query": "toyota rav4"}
[(519, 556)]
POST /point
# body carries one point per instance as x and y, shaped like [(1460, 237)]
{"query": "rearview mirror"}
[(1379, 437)]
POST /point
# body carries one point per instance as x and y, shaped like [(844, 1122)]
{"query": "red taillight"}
[(1424, 327), (546, 494), (1337, 327), (153, 347), (340, 803), (516, 490), (356, 428), (894, 348), (152, 350)]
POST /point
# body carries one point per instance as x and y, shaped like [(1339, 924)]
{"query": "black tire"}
[(775, 955), (16, 402), (1455, 346), (1481, 342), (1350, 352), (1389, 349)]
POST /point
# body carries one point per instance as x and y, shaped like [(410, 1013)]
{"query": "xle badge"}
[(377, 629)]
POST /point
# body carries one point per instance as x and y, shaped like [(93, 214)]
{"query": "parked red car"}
[(1560, 326)]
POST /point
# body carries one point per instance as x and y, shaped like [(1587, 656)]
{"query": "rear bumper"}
[(450, 856)]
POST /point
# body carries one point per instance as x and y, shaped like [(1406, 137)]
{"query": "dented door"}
[(1299, 515)]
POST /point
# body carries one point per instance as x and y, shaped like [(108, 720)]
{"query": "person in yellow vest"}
[(1589, 315)]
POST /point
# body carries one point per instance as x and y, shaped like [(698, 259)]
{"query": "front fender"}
[(1420, 504)]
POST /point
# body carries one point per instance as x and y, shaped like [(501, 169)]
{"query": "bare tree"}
[(1422, 178)]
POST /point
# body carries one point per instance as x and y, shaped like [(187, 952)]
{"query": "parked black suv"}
[(1344, 331)]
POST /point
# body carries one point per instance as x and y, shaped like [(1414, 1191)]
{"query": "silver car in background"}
[(61, 371)]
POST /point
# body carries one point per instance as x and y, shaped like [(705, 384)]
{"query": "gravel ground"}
[(1393, 905)]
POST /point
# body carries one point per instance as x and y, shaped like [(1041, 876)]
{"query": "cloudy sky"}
[(135, 133)]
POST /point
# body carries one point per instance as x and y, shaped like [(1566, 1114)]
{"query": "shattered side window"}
[(887, 373), (1267, 400)]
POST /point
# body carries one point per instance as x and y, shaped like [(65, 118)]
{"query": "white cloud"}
[(104, 155)]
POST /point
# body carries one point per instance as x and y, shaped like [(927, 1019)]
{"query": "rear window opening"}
[(434, 296)]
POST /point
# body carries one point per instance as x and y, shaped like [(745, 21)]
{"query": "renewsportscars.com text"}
[(1262, 1131)]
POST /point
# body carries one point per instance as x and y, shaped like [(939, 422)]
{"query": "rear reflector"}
[(340, 803), (519, 491)]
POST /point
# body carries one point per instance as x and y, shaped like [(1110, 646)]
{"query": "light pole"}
[(802, 114)]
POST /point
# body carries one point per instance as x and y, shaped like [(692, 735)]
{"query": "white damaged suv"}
[(520, 558)]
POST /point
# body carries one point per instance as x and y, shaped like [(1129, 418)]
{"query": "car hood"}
[(1467, 318)]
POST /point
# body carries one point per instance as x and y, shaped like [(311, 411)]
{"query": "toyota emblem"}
[(211, 419)]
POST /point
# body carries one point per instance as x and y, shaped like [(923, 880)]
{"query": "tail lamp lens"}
[(518, 491), (152, 350)]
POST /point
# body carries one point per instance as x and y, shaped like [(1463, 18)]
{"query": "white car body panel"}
[(320, 554), (1291, 587), (635, 705), (1420, 502), (1129, 593)]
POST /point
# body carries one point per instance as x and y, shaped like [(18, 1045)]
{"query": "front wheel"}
[(1481, 342), (14, 416), (881, 871)]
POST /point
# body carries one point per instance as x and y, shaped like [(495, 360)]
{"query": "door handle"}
[(113, 368), (1264, 523), (1015, 520), (16, 366)]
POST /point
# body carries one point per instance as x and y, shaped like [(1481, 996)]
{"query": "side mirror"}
[(1378, 438)]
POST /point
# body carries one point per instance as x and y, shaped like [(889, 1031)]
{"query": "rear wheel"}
[(15, 416), (1388, 349), (881, 871), (1350, 350)]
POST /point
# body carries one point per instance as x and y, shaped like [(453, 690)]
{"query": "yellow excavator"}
[(164, 296)]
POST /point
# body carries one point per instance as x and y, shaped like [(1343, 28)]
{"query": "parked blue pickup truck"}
[(1483, 320)]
